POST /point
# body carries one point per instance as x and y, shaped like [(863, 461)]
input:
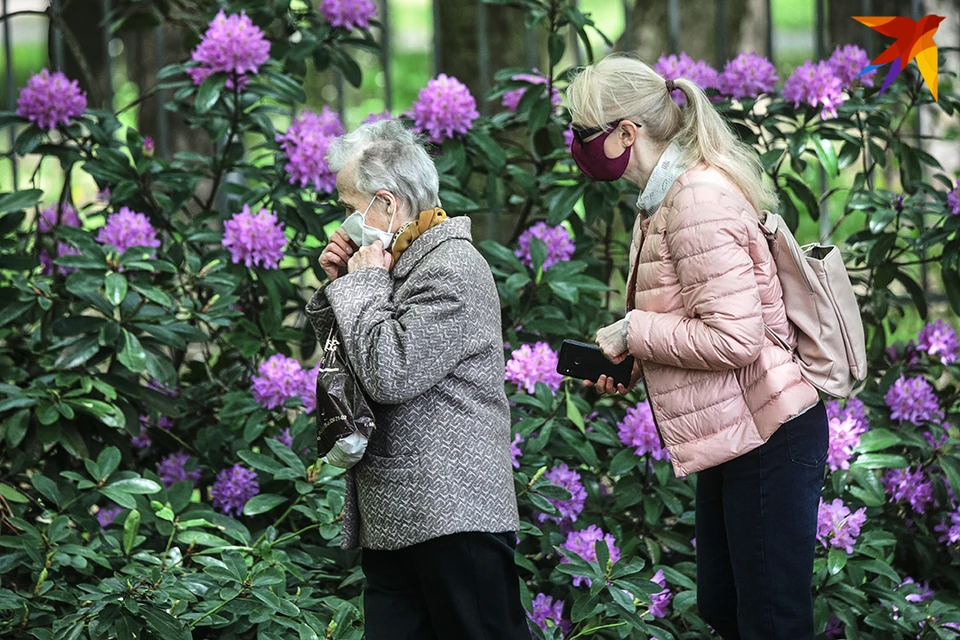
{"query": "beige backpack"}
[(820, 301)]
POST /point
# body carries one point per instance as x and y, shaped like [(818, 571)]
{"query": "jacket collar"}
[(664, 174), (457, 228)]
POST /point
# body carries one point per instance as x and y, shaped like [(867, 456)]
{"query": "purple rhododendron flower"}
[(953, 200), (673, 67), (816, 85), (50, 99), (747, 76), (280, 378), (255, 239), (568, 137), (544, 610), (531, 364), (660, 602), (308, 391), (305, 146), (925, 592), (444, 109), (560, 246), (847, 62), (910, 357), (149, 147), (844, 437), (233, 488), (349, 14), (106, 516), (951, 530), (913, 400), (285, 438), (837, 527), (53, 216), (562, 476), (939, 339), (835, 628), (515, 451), (126, 229), (232, 44), (912, 487), (172, 469), (377, 117), (638, 430), (511, 99), (584, 542)]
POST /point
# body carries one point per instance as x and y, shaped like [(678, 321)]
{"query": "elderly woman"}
[(432, 501), (703, 301)]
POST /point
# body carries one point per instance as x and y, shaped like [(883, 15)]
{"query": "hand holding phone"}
[(587, 362)]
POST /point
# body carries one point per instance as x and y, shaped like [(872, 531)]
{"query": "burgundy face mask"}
[(591, 159)]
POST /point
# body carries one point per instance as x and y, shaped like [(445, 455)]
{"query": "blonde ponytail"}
[(620, 86)]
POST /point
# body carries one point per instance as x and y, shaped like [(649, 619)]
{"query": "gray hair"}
[(389, 156)]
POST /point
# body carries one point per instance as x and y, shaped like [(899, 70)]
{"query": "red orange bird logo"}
[(914, 39)]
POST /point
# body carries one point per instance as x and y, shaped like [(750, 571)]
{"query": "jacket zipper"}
[(656, 424)]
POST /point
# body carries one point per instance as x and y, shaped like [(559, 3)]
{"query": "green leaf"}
[(827, 155), (46, 487), (135, 485), (16, 426), (951, 285), (573, 413), (209, 92), (881, 461), (107, 413), (624, 462), (261, 462), (562, 201), (130, 528), (491, 153), (877, 439), (108, 461), (122, 498), (556, 47), (132, 355), (12, 494), (19, 200), (262, 503), (116, 287), (77, 353), (165, 625), (306, 633), (836, 560), (28, 140)]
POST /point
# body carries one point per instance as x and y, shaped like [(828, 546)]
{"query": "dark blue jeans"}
[(756, 531)]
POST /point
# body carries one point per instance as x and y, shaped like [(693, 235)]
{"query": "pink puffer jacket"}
[(702, 285)]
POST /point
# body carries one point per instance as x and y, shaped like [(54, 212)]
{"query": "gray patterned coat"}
[(426, 343)]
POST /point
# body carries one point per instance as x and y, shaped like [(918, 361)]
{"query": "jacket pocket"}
[(808, 437)]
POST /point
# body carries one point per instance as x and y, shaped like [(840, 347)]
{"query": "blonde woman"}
[(703, 301)]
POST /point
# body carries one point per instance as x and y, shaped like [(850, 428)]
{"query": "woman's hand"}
[(371, 257), (611, 342), (606, 386), (337, 254)]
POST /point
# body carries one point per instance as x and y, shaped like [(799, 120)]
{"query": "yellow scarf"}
[(428, 219)]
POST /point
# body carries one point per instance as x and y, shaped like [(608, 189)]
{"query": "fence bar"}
[(673, 11), (916, 9), (483, 58), (821, 45), (627, 25), (575, 42), (436, 38), (385, 56), (769, 18), (720, 26), (341, 102), (57, 36), (105, 34), (531, 48), (868, 33), (160, 59), (8, 62)]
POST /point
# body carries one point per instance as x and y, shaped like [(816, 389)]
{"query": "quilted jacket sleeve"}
[(400, 348), (723, 326), (320, 313)]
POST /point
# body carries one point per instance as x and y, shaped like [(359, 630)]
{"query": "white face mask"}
[(363, 234)]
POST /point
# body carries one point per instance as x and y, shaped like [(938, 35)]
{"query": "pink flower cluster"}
[(50, 99), (847, 62), (660, 601), (232, 44), (255, 239), (531, 364), (48, 220), (515, 451), (913, 487), (128, 228), (951, 530), (673, 67), (953, 200), (349, 14), (638, 430), (546, 613), (560, 245), (511, 99), (837, 527), (233, 488), (584, 544), (377, 117), (747, 76), (444, 109), (305, 146), (940, 340), (816, 85), (913, 400), (281, 378), (172, 469), (562, 476)]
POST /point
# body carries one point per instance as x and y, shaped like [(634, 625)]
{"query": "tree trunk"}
[(84, 36)]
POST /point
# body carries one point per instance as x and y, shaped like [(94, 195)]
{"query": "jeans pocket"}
[(808, 437)]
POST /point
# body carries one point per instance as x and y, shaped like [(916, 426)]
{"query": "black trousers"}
[(756, 533), (458, 587)]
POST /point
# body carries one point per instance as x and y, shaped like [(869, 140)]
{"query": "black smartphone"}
[(587, 362)]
